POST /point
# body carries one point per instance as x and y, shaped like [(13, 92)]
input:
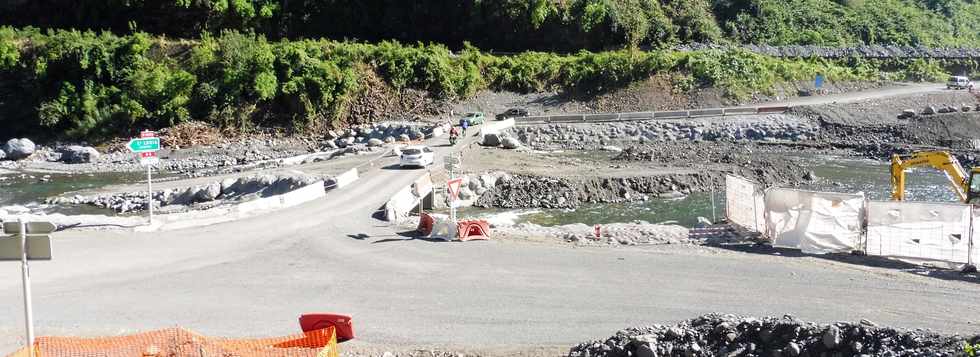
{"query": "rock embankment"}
[(736, 128), (728, 335), (226, 191), (769, 165), (523, 191)]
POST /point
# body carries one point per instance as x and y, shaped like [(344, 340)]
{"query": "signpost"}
[(453, 185), (27, 241), (147, 146)]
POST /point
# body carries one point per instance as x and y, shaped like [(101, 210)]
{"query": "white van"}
[(958, 82)]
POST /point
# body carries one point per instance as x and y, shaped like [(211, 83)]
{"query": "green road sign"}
[(144, 145)]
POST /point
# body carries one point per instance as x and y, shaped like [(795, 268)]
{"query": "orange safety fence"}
[(179, 342)]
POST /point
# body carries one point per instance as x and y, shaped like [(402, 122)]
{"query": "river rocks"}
[(17, 149), (76, 154), (241, 189), (907, 114), (929, 110), (522, 191), (769, 336), (608, 135), (510, 143)]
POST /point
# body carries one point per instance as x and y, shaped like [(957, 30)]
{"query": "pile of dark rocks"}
[(381, 133), (729, 335)]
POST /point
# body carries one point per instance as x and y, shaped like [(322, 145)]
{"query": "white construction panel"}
[(744, 203), (814, 222), (919, 230)]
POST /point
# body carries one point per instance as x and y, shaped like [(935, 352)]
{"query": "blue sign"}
[(819, 81)]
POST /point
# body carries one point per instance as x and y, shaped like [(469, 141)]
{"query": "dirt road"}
[(253, 278)]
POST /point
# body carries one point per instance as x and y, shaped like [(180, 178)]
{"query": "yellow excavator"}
[(967, 188)]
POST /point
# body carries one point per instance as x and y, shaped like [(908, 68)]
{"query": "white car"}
[(958, 82), (417, 156)]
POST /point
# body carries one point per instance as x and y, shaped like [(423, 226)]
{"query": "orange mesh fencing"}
[(178, 342)]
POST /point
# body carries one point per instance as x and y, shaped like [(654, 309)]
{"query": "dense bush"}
[(82, 84), (520, 25)]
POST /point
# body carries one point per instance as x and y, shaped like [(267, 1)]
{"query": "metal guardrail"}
[(639, 116)]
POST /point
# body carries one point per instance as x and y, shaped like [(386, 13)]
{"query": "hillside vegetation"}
[(87, 85), (519, 25)]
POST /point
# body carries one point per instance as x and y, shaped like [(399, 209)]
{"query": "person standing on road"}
[(464, 123)]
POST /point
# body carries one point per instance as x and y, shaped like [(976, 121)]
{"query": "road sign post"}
[(25, 271), (147, 146), (452, 163), (27, 241)]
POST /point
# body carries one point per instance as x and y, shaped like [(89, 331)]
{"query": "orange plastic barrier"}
[(178, 342), (425, 224), (473, 229)]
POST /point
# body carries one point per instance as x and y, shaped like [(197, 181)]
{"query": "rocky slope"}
[(728, 335)]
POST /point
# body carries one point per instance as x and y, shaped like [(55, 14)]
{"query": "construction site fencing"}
[(745, 203), (919, 230), (831, 222), (654, 115), (814, 222), (179, 342)]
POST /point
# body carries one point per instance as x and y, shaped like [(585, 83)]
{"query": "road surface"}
[(254, 277)]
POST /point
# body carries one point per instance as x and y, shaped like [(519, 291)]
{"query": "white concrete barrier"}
[(400, 205), (346, 178)]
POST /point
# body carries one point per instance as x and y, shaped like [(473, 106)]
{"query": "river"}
[(836, 174)]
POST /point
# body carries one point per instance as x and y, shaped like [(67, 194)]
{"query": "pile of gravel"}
[(729, 335)]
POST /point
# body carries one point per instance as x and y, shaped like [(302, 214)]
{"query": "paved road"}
[(850, 97), (253, 278)]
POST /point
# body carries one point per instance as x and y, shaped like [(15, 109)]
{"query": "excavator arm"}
[(939, 160)]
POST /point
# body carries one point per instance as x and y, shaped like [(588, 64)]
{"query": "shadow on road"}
[(404, 236), (399, 167), (855, 259), (79, 225)]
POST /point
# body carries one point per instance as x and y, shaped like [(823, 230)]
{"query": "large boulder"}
[(375, 142), (510, 143), (491, 139), (929, 110), (76, 154), (209, 192), (17, 149), (3, 154)]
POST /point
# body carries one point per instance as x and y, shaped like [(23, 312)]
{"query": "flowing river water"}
[(845, 175)]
